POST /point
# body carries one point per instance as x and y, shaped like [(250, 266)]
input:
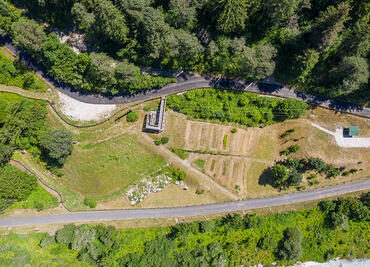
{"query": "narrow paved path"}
[(190, 210), (188, 82)]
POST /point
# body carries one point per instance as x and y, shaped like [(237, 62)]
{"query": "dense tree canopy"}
[(316, 46), (58, 145)]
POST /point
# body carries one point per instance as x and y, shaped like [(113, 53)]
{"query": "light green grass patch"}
[(200, 163), (39, 195), (98, 170)]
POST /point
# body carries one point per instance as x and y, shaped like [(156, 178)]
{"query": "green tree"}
[(83, 19), (101, 71), (232, 14), (306, 62), (295, 177), (28, 35), (291, 245), (279, 175), (6, 153), (351, 74), (339, 220), (82, 236), (65, 234), (47, 240), (329, 23), (58, 145)]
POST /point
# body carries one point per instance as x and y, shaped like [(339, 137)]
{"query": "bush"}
[(47, 240), (180, 152), (353, 170), (164, 140), (225, 141), (82, 236), (234, 130), (132, 116), (339, 220), (346, 173), (292, 149), (38, 205), (290, 248), (287, 133), (207, 226), (65, 235), (90, 202), (331, 171), (199, 191), (267, 243)]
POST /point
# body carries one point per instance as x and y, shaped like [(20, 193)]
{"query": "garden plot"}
[(201, 136), (228, 171)]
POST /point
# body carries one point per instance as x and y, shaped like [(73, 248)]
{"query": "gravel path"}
[(345, 141), (190, 210)]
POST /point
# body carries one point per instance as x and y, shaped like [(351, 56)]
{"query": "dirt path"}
[(186, 166)]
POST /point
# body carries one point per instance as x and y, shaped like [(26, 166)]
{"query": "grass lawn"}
[(101, 169)]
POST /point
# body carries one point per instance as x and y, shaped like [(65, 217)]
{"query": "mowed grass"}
[(98, 170)]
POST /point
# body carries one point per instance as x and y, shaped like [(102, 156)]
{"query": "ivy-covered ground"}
[(333, 229)]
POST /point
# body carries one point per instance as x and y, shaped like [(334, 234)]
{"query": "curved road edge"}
[(247, 204)]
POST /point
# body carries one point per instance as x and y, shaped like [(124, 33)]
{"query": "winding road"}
[(186, 82), (187, 211)]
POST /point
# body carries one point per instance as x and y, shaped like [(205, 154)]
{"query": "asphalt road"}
[(188, 82), (190, 210)]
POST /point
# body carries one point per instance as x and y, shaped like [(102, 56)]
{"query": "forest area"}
[(321, 47)]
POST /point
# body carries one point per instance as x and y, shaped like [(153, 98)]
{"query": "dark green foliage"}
[(234, 221), (316, 164), (267, 243), (6, 153), (292, 149), (338, 219), (58, 145), (90, 202), (290, 248), (180, 152), (327, 206), (231, 106), (295, 177), (108, 236), (82, 236), (234, 130), (132, 116), (16, 184), (331, 171), (253, 221), (287, 133), (47, 240), (65, 235), (279, 175), (309, 41), (38, 205), (365, 199), (163, 140), (207, 226), (199, 191)]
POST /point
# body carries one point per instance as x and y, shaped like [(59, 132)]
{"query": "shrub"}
[(199, 191), (234, 130), (38, 205), (157, 142), (338, 219), (346, 173), (82, 235), (331, 171), (291, 245), (279, 174), (353, 170), (180, 152), (237, 187), (132, 116), (207, 226), (311, 176), (90, 202), (47, 240), (292, 149), (327, 206), (164, 140), (316, 164), (267, 243), (287, 133), (65, 234)]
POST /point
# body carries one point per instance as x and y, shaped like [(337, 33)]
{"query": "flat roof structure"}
[(155, 119), (354, 131)]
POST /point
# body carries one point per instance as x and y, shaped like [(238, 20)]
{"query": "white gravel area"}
[(77, 110), (345, 141)]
